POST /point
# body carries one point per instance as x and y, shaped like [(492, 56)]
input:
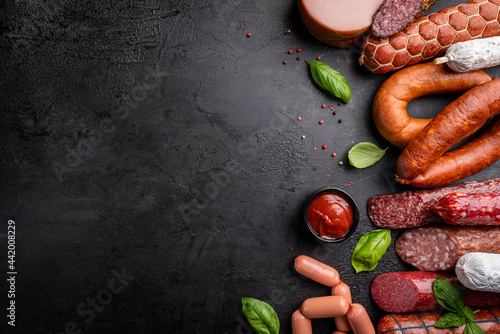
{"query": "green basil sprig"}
[(261, 316), (370, 249), (330, 80), (453, 300), (365, 154)]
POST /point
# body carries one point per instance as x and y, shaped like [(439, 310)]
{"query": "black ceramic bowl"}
[(348, 198)]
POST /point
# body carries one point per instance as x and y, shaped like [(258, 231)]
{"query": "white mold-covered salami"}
[(472, 55), (479, 271)]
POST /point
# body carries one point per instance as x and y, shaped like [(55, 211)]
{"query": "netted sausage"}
[(430, 35)]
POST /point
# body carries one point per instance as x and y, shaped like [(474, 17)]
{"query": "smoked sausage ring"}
[(389, 106)]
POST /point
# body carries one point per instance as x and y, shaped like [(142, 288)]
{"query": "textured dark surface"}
[(157, 142)]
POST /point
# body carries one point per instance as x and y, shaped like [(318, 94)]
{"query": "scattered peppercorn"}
[(341, 163), (340, 120), (286, 32), (303, 137), (298, 58), (321, 122), (324, 147), (298, 50), (290, 249), (339, 104), (285, 62), (335, 113), (249, 34)]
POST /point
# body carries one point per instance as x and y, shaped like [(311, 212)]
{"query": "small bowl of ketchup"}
[(331, 215)]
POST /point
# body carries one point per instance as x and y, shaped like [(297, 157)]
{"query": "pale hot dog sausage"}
[(301, 324), (342, 289), (324, 307), (360, 320), (316, 270)]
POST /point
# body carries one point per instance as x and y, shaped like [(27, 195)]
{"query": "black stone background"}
[(155, 141)]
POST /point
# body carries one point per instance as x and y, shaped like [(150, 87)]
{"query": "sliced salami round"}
[(436, 248)]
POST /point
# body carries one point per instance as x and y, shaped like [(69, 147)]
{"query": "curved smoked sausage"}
[(455, 122), (390, 102)]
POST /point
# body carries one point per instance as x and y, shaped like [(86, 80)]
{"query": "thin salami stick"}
[(414, 209), (469, 209), (435, 248)]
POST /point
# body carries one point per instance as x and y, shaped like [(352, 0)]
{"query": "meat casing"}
[(414, 209), (455, 122), (430, 35), (469, 209), (423, 323), (437, 248), (392, 98)]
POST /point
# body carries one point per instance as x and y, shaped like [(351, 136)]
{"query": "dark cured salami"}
[(423, 323), (436, 248), (394, 15), (414, 209), (411, 291), (469, 209)]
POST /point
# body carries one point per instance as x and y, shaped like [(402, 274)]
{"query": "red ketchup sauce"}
[(330, 215)]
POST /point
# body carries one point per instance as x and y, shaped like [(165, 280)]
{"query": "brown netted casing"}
[(430, 35)]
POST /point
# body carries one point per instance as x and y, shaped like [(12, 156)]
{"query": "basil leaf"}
[(472, 328), (447, 295), (450, 319), (467, 313), (261, 316), (330, 80), (370, 249), (365, 154)]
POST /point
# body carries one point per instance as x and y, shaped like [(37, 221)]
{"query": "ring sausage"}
[(389, 106), (343, 290), (430, 36), (360, 320), (463, 161), (316, 270), (301, 324), (455, 122), (324, 307)]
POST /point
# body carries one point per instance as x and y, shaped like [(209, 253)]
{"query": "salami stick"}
[(469, 209), (437, 248), (414, 209), (411, 291)]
